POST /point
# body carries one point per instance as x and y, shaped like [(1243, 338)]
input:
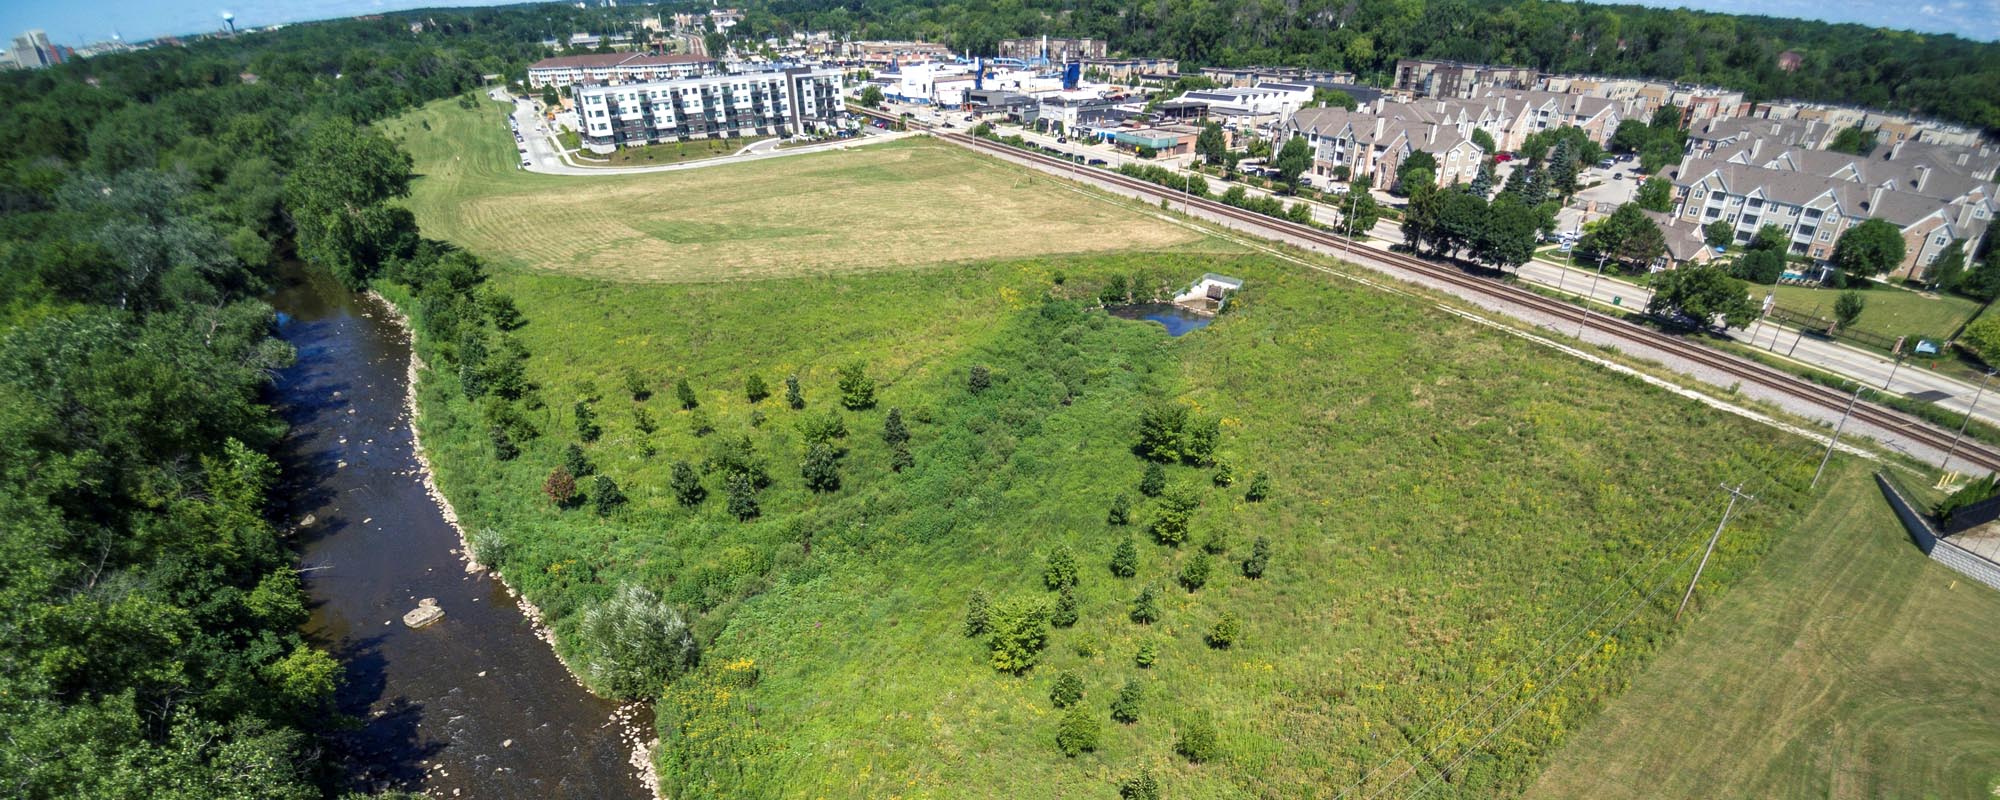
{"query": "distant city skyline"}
[(74, 24)]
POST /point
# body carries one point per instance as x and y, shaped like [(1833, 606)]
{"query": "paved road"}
[(546, 156)]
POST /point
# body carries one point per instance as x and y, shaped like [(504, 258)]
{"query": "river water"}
[(474, 705)]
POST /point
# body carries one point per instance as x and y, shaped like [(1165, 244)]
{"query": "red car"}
[(1502, 158)]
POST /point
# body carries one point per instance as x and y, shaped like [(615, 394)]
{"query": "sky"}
[(77, 22)]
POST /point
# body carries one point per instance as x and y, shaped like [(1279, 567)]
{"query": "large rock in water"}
[(425, 613)]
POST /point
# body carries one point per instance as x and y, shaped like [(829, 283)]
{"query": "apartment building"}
[(881, 54), (1128, 70), (1429, 78), (779, 103), (1933, 193), (1057, 49), (1254, 104), (1251, 76), (616, 68), (1372, 145)]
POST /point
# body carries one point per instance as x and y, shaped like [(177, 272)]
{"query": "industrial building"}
[(779, 103)]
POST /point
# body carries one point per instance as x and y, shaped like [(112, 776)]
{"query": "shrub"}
[(792, 396), (560, 487), (632, 645), (978, 615), (1197, 741), (1154, 481), (686, 484), (1077, 732), (1146, 607), (699, 424), (893, 431), (1198, 440), (1142, 786), (586, 422), (1125, 707), (754, 388), (1194, 573), (820, 468), (504, 448), (643, 420), (1223, 476), (1061, 569), (1120, 512), (1067, 690), (822, 428), (1260, 488), (757, 418), (1215, 543), (857, 390), (1065, 613), (1019, 629), (1147, 655), (1260, 557), (576, 461), (742, 497), (604, 496), (1225, 632), (1125, 559), (685, 394), (1160, 426), (635, 385), (978, 379), (736, 455), (1170, 522), (900, 458)]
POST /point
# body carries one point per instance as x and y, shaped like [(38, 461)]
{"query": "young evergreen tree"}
[(686, 484), (605, 496), (1066, 691), (1260, 557), (978, 379), (1019, 632), (586, 422), (1146, 607), (820, 468), (1260, 488), (1125, 707), (1154, 481), (1147, 655), (978, 615), (1125, 559), (504, 448), (1061, 569), (576, 461), (857, 390), (754, 389), (643, 420), (1120, 512), (1142, 786), (1224, 475), (792, 396), (1224, 634), (1077, 732), (685, 394), (636, 385), (1065, 613), (1176, 511), (900, 458), (1194, 573), (893, 431), (742, 497)]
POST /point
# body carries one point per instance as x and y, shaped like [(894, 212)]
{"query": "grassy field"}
[(892, 206), (673, 152), (1461, 525), (1889, 311), (1846, 666)]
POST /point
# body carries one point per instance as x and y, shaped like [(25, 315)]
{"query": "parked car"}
[(1605, 164), (1062, 140), (1502, 158), (526, 163), (1097, 162)]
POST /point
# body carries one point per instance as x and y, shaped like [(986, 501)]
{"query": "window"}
[(1812, 213), (1756, 202), (1826, 235)]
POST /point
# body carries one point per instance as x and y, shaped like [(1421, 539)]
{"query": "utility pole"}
[(1592, 294), (1734, 495), (1967, 421), (1892, 372), (1802, 335), (1836, 437)]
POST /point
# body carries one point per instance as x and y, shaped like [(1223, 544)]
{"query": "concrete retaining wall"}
[(1939, 549)]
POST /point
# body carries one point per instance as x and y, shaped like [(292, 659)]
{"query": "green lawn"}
[(1846, 666), (570, 140), (887, 206), (1890, 311), (672, 152)]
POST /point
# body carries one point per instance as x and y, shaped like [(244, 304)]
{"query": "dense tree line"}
[(149, 607), (1940, 75)]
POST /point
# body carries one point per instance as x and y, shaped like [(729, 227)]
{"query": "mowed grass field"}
[(1846, 666), (1888, 310), (890, 206)]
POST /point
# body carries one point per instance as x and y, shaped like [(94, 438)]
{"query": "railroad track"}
[(1751, 372)]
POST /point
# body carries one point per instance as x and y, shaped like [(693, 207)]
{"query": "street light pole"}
[(1836, 437), (1347, 245), (1802, 335), (1892, 371), (1967, 421)]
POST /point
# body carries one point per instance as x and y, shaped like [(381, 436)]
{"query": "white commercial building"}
[(757, 104), (616, 68)]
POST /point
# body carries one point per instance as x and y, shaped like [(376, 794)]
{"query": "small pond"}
[(1177, 320)]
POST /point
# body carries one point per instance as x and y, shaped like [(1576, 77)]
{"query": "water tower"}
[(229, 20)]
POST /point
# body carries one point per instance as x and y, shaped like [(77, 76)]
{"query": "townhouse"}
[(1934, 194), (1371, 145), (1431, 78), (616, 68), (779, 103)]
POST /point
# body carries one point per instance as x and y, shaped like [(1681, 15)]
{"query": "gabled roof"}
[(608, 60)]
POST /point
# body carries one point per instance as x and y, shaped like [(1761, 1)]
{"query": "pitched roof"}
[(608, 60)]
